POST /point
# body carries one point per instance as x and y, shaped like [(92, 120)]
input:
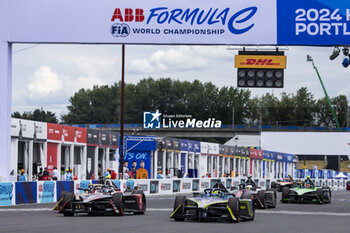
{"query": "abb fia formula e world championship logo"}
[(123, 29), (166, 20)]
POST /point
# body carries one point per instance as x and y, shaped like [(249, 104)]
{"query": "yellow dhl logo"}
[(260, 61)]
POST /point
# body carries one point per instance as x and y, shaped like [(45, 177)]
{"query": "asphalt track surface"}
[(286, 218)]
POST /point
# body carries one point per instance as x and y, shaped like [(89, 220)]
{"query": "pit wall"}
[(13, 193)]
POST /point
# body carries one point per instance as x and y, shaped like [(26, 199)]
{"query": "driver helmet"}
[(249, 186)]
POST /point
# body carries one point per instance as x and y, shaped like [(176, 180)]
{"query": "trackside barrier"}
[(26, 192), (12, 193), (7, 191), (46, 191)]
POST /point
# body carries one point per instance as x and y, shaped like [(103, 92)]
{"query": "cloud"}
[(45, 82)]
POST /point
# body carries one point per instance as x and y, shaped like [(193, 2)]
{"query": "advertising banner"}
[(165, 186), (154, 186), (51, 156), (158, 21), (114, 143), (90, 162), (221, 150), (68, 133), (196, 147), (140, 143), (186, 186), (138, 157), (260, 61), (177, 144), (80, 134), (195, 185), (22, 128), (67, 186), (54, 132), (26, 192), (143, 185), (92, 137), (103, 138), (81, 184), (176, 186), (46, 191), (7, 189), (184, 145), (313, 22)]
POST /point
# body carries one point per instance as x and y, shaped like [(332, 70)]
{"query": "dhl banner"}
[(260, 61)]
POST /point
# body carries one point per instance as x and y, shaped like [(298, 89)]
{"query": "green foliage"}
[(37, 115), (101, 104)]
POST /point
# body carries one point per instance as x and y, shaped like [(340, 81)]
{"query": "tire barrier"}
[(12, 193)]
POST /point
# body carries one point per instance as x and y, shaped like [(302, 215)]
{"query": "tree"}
[(37, 115)]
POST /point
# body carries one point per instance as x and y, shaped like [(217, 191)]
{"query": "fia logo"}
[(151, 120), (120, 30)]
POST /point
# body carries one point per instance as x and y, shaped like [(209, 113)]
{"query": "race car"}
[(215, 203), (280, 184), (306, 192), (103, 199), (262, 198)]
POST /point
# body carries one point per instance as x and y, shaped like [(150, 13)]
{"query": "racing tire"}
[(320, 195), (273, 185), (285, 194), (143, 198), (262, 197), (117, 200), (275, 198), (233, 204), (179, 216), (67, 198)]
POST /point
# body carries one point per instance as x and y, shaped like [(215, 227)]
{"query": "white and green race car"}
[(306, 192)]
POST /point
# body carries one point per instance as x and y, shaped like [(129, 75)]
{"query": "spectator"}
[(209, 175), (71, 173), (68, 175), (160, 175), (133, 169), (126, 164), (142, 173), (113, 175), (126, 174), (54, 173), (22, 176), (46, 175), (40, 174), (108, 174), (186, 175), (168, 176)]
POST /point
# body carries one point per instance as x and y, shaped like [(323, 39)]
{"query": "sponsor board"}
[(46, 191), (260, 61), (7, 190)]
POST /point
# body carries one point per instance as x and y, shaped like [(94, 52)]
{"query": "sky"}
[(47, 75)]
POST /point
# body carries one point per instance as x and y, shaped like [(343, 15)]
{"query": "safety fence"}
[(13, 193)]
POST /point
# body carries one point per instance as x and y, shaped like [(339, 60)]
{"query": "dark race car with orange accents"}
[(100, 199), (262, 198), (286, 182)]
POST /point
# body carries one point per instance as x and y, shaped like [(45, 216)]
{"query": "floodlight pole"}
[(309, 58), (121, 146)]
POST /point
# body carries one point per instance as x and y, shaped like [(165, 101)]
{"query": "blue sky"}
[(47, 75)]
